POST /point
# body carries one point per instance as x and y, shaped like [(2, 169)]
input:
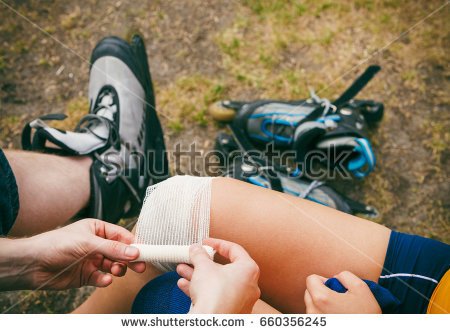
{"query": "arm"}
[(16, 267), (88, 252)]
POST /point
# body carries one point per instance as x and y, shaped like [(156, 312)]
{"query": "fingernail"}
[(195, 247), (131, 251)]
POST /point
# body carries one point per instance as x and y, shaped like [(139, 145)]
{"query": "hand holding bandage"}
[(87, 252), (217, 288)]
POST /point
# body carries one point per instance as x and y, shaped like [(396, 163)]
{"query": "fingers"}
[(236, 254), (317, 289), (227, 249), (184, 286), (99, 279), (107, 266), (198, 255), (137, 267), (350, 280), (318, 278), (112, 232), (114, 250), (112, 242), (113, 257), (118, 269), (185, 271)]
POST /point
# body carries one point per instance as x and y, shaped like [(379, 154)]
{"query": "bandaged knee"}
[(175, 215)]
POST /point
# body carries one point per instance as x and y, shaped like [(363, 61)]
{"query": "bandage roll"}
[(167, 253)]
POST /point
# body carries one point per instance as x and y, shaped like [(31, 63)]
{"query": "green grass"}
[(19, 47), (3, 64), (71, 20), (231, 47), (75, 109), (438, 139), (176, 126), (43, 62), (187, 100)]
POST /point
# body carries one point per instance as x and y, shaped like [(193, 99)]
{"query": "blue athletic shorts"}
[(412, 269), (9, 196), (162, 296)]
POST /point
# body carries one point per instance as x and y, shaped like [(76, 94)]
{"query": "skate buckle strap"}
[(82, 141)]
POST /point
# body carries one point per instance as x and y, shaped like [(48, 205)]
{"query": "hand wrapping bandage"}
[(175, 215)]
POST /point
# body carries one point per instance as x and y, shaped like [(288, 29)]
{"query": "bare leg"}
[(52, 189), (289, 238), (262, 307)]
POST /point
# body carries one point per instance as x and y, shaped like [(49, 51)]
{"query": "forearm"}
[(17, 264)]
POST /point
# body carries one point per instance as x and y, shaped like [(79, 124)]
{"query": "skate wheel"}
[(221, 114)]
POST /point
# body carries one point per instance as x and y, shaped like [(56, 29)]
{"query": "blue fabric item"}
[(9, 196), (387, 301), (162, 296), (412, 269)]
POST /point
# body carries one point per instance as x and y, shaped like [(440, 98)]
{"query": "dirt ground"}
[(203, 51)]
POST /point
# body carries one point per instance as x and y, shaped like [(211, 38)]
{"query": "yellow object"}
[(221, 114), (440, 299)]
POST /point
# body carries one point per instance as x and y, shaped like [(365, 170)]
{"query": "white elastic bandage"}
[(167, 253), (175, 215)]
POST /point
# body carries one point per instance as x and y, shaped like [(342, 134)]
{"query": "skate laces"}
[(100, 122), (325, 103), (314, 185)]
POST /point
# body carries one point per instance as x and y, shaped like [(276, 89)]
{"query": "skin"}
[(52, 189)]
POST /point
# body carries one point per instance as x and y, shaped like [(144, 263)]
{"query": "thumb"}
[(198, 255), (114, 250), (350, 280)]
